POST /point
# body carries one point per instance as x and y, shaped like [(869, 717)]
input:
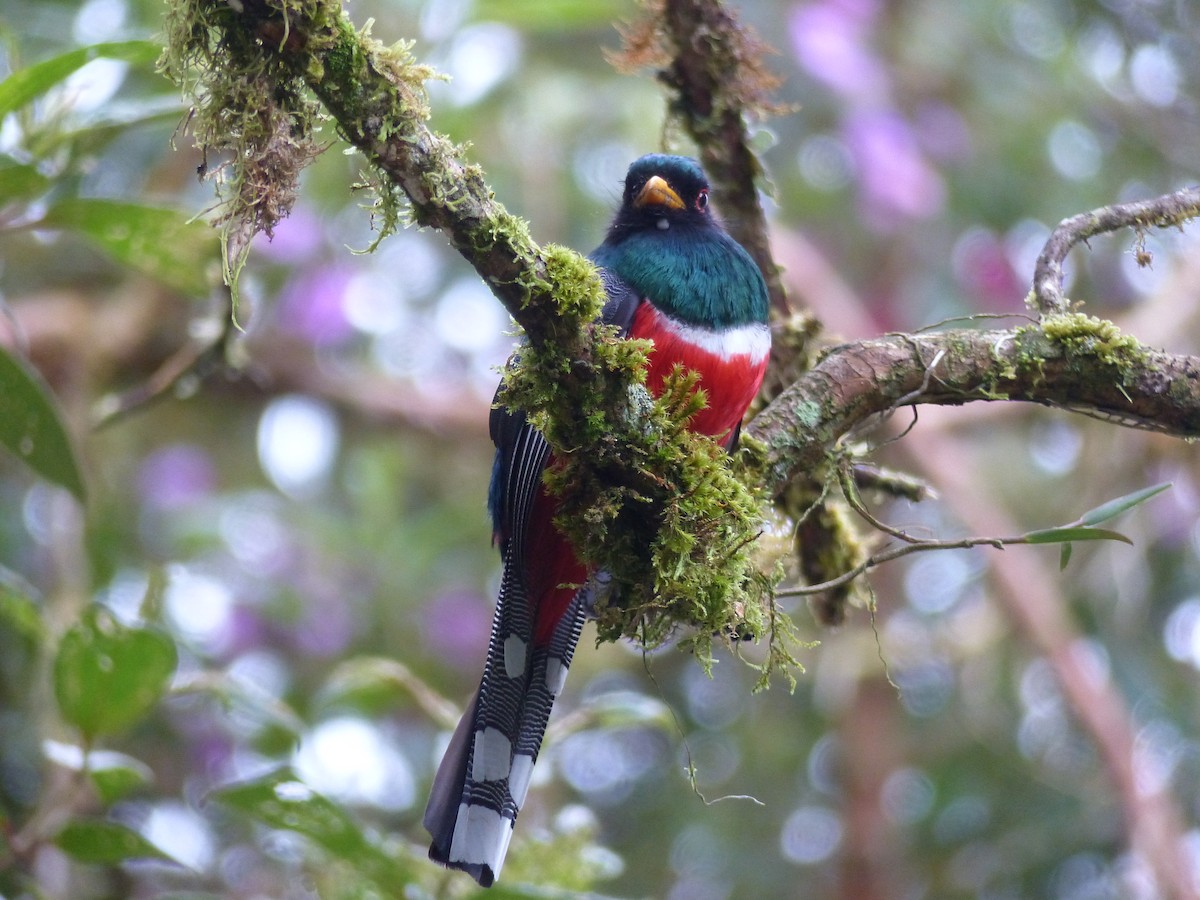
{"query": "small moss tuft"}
[(1098, 338)]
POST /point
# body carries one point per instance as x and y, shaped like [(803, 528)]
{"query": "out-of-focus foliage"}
[(195, 693)]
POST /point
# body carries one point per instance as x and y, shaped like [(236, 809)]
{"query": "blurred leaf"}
[(25, 84), (1120, 504), (1074, 533), (246, 700), (614, 710), (118, 117), (22, 636), (281, 800), (31, 428), (105, 843), (374, 684), (19, 183), (114, 775), (1064, 556), (158, 241), (550, 15), (19, 616), (88, 134), (115, 779), (107, 676)]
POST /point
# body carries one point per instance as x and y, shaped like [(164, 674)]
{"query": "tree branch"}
[(712, 66), (1086, 367), (676, 534), (1167, 211)]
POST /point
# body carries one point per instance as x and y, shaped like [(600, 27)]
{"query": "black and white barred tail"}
[(484, 776)]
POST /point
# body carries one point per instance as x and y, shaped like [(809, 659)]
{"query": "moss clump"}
[(254, 120), (1100, 339), (256, 115), (657, 507)]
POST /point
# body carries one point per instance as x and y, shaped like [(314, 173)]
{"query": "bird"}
[(673, 276)]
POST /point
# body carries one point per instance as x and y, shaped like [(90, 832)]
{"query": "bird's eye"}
[(702, 201)]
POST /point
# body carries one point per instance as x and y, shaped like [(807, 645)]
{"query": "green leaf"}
[(20, 183), (542, 15), (19, 616), (107, 676), (22, 637), (104, 843), (1064, 556), (375, 684), (158, 241), (99, 128), (281, 800), (31, 428), (1074, 533), (247, 702), (1120, 504), (25, 84), (115, 775)]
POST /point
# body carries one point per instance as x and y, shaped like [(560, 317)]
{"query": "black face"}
[(663, 191)]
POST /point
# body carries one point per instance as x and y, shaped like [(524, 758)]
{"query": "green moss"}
[(256, 111), (249, 111), (1088, 335), (575, 283), (660, 508)]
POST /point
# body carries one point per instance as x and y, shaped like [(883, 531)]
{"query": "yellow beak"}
[(656, 192)]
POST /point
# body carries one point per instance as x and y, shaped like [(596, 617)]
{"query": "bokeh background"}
[(313, 509)]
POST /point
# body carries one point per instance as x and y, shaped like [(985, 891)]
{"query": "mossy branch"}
[(1168, 211), (1073, 362)]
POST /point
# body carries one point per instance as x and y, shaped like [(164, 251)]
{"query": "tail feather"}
[(484, 776)]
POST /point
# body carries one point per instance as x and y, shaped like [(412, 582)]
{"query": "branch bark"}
[(718, 81), (376, 98), (1167, 211), (1080, 371)]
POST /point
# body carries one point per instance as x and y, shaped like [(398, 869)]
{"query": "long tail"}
[(482, 781)]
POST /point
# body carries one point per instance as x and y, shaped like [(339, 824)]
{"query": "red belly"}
[(552, 571), (730, 382)]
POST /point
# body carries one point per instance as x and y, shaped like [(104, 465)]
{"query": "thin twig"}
[(197, 359)]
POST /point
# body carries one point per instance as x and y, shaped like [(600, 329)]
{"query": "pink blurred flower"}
[(895, 179), (295, 240), (311, 305), (176, 476), (456, 626), (830, 40), (983, 270)]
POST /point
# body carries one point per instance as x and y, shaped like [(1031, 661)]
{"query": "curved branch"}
[(858, 382), (1169, 210), (376, 96)]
